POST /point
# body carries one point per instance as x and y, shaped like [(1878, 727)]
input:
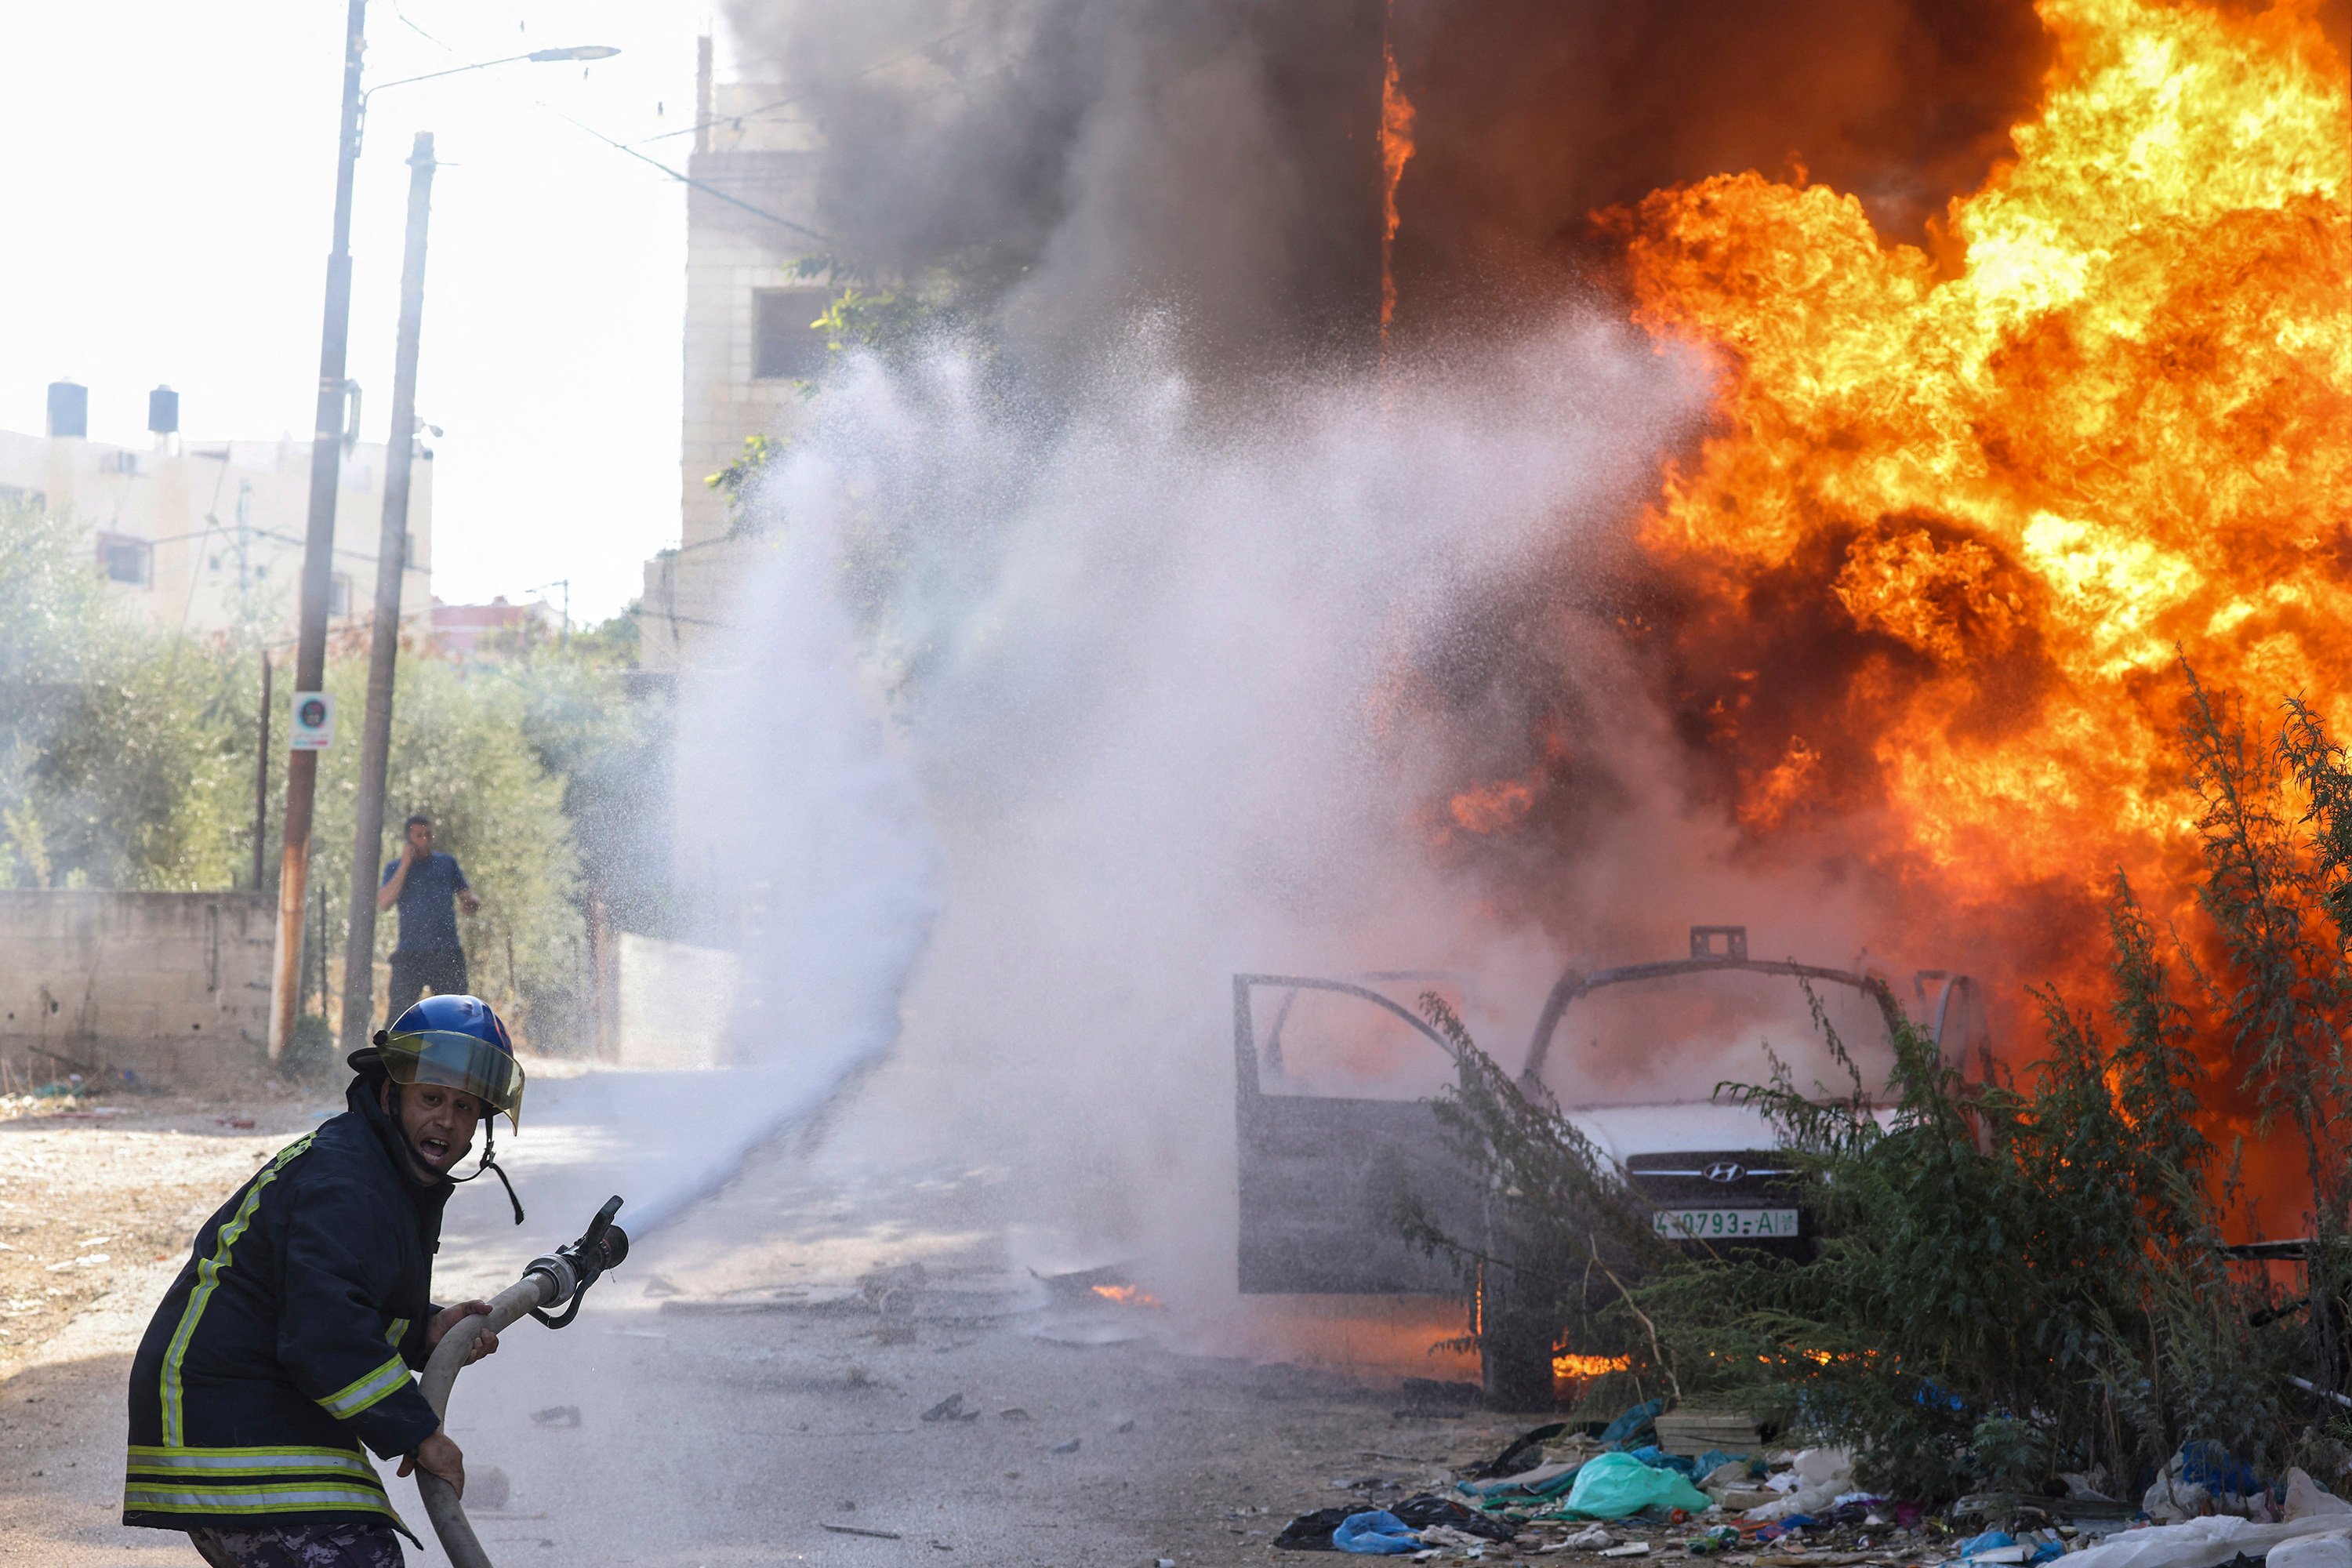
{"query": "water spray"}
[(560, 1278)]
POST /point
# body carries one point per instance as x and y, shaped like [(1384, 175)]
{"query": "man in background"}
[(429, 887)]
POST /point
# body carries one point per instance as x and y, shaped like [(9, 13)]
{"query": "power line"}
[(280, 538), (685, 179), (918, 50), (623, 147)]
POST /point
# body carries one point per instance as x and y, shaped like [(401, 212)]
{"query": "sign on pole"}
[(314, 722)]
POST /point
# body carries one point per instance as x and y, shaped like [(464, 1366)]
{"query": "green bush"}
[(127, 758), (460, 755), (121, 762), (2015, 1280)]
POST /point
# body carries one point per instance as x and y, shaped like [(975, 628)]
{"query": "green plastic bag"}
[(1612, 1486)]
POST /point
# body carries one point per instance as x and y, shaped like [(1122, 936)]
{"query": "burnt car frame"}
[(1320, 1177)]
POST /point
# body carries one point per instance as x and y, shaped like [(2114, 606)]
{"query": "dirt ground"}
[(846, 1355), (94, 1193), (750, 1389)]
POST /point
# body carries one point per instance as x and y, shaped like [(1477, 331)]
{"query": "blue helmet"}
[(457, 1042)]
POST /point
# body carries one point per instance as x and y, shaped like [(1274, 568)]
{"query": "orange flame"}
[(1583, 1366), (1491, 808), (1999, 497), (1127, 1295), (1396, 148)]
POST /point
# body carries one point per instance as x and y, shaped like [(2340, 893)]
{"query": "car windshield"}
[(1673, 1040)]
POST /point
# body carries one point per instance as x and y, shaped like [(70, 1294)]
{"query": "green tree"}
[(2020, 1278), (459, 754), (126, 752)]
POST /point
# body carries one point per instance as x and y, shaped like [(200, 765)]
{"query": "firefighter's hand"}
[(448, 1318), (442, 1457)]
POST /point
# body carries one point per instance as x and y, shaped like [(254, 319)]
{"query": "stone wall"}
[(170, 986)]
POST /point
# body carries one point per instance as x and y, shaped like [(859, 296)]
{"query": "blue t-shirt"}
[(428, 904)]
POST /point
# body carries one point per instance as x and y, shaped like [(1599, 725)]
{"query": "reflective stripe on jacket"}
[(288, 1339)]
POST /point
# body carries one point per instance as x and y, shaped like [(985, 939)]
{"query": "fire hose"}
[(562, 1277)]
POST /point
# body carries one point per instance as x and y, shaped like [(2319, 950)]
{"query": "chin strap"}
[(490, 1164)]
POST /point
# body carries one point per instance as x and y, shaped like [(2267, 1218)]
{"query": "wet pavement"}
[(751, 1387)]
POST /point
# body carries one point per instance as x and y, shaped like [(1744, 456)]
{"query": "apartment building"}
[(749, 346), (208, 535)]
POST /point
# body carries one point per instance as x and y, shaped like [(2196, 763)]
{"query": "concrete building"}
[(460, 630), (749, 347), (208, 536)]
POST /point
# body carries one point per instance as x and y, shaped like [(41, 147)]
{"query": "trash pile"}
[(1615, 1493)]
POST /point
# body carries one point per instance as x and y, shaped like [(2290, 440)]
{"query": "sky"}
[(165, 216)]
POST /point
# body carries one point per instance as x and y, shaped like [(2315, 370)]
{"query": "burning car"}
[(1321, 1174)]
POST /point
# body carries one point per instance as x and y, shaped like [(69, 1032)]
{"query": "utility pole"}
[(261, 781), (384, 637), (318, 554)]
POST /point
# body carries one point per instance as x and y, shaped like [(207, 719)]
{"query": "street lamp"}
[(536, 56), (319, 533)]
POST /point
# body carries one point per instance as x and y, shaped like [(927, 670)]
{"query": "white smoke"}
[(817, 859), (1136, 671)]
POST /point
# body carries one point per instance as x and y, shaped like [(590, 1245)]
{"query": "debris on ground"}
[(1614, 1486), (1429, 1510), (2201, 1479), (1470, 1504), (1378, 1534), (2333, 1550), (1312, 1532), (1815, 1482), (2306, 1499), (1518, 1454), (950, 1409)]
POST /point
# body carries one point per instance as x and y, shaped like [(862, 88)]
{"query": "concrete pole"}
[(318, 554), (384, 637)]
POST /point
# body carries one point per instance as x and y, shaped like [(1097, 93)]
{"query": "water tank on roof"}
[(163, 411), (68, 408)]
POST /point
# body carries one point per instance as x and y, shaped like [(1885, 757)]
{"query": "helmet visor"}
[(463, 1062)]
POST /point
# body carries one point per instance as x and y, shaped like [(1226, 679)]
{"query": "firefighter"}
[(288, 1339)]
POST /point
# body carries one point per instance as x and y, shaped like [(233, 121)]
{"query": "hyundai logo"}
[(1726, 1170)]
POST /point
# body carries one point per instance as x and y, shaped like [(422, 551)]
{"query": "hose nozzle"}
[(576, 1265)]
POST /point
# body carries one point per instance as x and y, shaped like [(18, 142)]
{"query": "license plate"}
[(1705, 1225)]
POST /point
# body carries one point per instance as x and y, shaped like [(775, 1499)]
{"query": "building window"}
[(784, 346), (338, 595), (126, 560)]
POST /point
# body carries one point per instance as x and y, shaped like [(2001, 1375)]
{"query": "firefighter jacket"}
[(288, 1339)]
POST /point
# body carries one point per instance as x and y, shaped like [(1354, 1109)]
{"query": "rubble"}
[(1378, 1534), (1475, 1504)]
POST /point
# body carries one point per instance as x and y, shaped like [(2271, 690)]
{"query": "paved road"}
[(759, 1368)]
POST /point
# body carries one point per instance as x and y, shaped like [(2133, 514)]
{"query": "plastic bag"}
[(1612, 1486), (2200, 1542), (1638, 1426), (1378, 1534), (2306, 1499), (2333, 1550), (1823, 1476)]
